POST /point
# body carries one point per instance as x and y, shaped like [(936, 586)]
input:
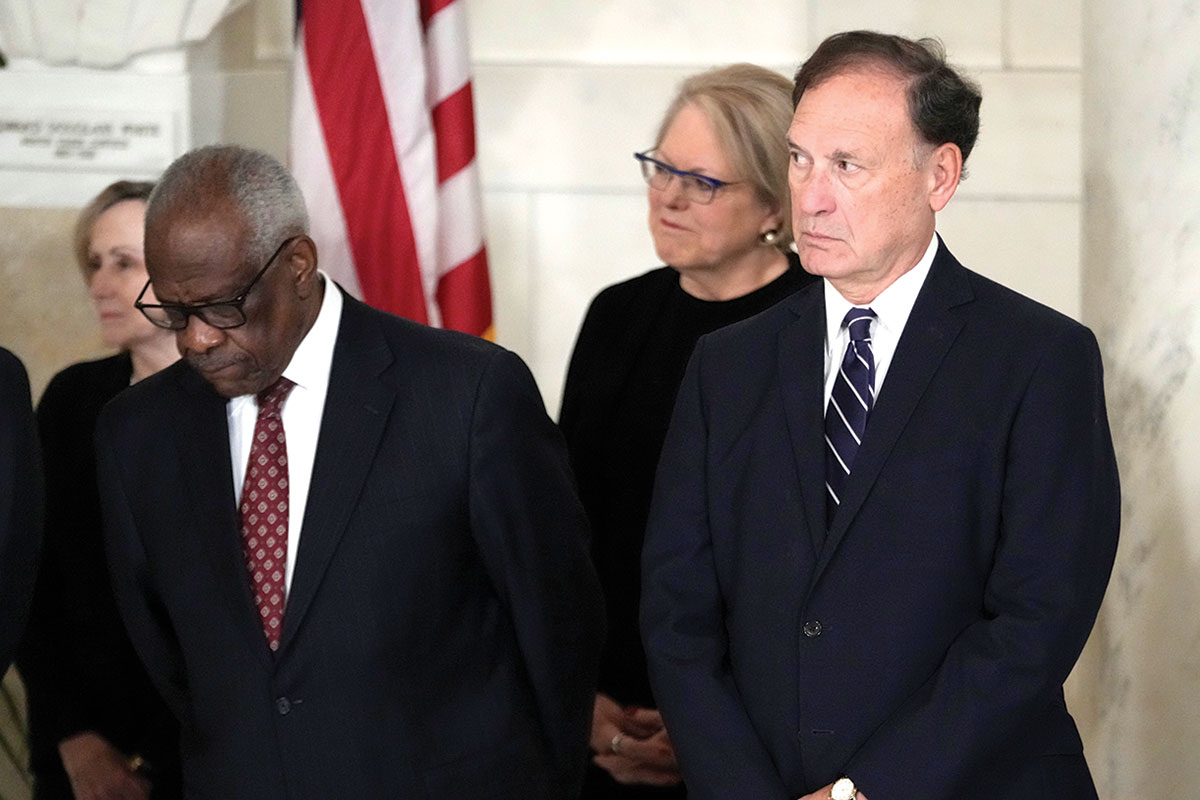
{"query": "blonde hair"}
[(109, 196), (750, 109)]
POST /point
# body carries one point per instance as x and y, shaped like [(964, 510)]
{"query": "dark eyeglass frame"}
[(712, 184), (176, 316)]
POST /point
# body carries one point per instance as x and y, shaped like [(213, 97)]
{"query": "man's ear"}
[(303, 262), (945, 170)]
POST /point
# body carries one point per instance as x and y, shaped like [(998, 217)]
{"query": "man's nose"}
[(198, 336), (812, 194)]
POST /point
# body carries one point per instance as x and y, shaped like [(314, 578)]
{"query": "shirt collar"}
[(893, 304), (313, 359)]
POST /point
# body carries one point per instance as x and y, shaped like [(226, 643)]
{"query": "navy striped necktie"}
[(850, 403)]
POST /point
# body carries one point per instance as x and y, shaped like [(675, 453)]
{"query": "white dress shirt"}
[(891, 307), (301, 414)]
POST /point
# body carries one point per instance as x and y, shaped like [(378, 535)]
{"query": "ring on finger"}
[(615, 744)]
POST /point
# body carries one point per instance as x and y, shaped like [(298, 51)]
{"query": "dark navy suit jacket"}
[(920, 645), (443, 626), (20, 503)]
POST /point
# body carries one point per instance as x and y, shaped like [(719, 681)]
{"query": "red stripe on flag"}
[(431, 7), (454, 127), (464, 296), (358, 137)]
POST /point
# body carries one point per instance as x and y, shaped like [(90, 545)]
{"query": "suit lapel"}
[(211, 510), (356, 411), (930, 331), (801, 367)]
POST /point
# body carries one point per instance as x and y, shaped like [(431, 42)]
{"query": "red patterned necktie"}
[(264, 510)]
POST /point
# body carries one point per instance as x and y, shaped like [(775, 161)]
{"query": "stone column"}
[(1138, 687)]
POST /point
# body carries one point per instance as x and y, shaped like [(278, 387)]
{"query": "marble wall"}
[(1141, 280)]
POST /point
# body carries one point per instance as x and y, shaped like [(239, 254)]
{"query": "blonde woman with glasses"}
[(720, 219)]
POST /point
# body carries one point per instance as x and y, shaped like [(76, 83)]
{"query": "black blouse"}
[(625, 371), (78, 665)]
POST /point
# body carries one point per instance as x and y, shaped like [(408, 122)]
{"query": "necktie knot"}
[(272, 397), (858, 324)]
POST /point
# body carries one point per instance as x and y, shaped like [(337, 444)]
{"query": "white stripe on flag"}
[(459, 194), (446, 59), (311, 169)]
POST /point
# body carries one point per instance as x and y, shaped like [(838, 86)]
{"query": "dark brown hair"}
[(942, 104)]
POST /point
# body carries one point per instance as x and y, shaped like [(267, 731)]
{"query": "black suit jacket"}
[(921, 645), (20, 503), (441, 633)]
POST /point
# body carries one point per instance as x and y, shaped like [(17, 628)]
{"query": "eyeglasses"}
[(696, 188), (224, 314)]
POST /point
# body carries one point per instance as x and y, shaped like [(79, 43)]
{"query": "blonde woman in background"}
[(97, 726), (720, 219)]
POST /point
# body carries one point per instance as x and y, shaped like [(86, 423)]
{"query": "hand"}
[(99, 771), (645, 754), (642, 722), (823, 794), (649, 761)]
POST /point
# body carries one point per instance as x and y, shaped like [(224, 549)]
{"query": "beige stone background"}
[(1084, 193)]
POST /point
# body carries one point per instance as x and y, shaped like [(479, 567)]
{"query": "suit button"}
[(283, 706), (812, 628)]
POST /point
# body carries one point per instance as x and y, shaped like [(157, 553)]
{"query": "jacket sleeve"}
[(1060, 513), (682, 615), (532, 534), (60, 689), (20, 503)]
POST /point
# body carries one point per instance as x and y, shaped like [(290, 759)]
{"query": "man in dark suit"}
[(20, 504), (402, 604), (887, 508)]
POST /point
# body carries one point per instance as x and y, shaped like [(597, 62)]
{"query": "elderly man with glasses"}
[(346, 546)]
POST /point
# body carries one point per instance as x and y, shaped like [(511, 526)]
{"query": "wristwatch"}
[(843, 789)]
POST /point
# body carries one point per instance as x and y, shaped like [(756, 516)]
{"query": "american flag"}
[(383, 146)]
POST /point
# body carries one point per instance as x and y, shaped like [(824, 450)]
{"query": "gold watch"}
[(843, 789)]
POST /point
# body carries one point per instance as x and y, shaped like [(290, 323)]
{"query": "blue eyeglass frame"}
[(682, 173)]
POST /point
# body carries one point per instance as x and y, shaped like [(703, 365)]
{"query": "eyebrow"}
[(836, 155), (701, 171)]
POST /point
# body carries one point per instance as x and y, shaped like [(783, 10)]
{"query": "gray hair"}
[(261, 189)]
